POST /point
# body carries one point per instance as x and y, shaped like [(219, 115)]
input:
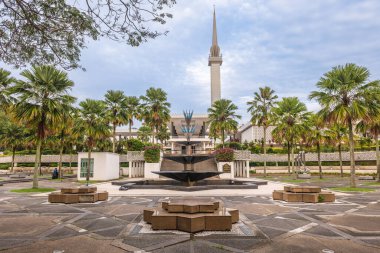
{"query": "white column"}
[(247, 167)]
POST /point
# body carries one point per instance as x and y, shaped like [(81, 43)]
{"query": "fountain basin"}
[(187, 176), (207, 184)]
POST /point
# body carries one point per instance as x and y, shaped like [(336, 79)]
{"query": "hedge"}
[(152, 154)]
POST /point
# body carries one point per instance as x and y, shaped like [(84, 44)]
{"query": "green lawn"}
[(293, 180), (26, 190), (349, 189), (89, 182), (372, 183)]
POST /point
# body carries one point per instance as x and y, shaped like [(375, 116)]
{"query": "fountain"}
[(188, 175), (188, 171)]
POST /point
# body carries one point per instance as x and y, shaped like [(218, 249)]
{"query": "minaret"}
[(215, 61)]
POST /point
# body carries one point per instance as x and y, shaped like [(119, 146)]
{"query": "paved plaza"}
[(28, 223)]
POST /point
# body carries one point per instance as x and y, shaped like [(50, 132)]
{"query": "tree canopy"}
[(55, 31)]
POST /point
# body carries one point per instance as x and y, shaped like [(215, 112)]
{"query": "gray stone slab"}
[(253, 217), (135, 230), (112, 233), (147, 240), (240, 243), (318, 230), (271, 232), (373, 241), (63, 232), (55, 208), (287, 224), (96, 224), (10, 243), (181, 247), (130, 217), (202, 247)]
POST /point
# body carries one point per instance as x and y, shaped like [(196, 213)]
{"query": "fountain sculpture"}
[(188, 175)]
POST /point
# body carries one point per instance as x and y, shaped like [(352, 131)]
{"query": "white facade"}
[(250, 133), (106, 166)]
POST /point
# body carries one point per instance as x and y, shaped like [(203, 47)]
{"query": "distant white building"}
[(251, 133)]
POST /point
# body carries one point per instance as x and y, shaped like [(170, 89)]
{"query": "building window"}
[(83, 167)]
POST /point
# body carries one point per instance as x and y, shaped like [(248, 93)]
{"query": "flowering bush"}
[(152, 154), (224, 155)]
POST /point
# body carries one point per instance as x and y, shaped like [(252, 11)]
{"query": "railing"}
[(194, 152)]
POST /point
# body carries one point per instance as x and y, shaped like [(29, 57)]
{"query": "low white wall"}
[(327, 169), (106, 165), (149, 167)]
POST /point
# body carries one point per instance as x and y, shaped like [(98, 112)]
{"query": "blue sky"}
[(285, 44)]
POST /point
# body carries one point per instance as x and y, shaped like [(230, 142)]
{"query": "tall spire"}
[(214, 33), (214, 50), (215, 61)]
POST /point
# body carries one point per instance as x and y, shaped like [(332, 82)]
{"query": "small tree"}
[(260, 109), (116, 111), (144, 133), (92, 124), (290, 115), (336, 134), (222, 117), (12, 136)]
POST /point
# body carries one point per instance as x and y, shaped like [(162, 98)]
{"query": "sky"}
[(285, 44)]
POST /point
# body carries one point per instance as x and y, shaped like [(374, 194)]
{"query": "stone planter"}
[(227, 168), (304, 176), (149, 167)]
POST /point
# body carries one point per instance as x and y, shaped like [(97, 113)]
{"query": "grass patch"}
[(323, 179), (294, 180), (27, 190), (89, 182), (349, 189), (372, 183)]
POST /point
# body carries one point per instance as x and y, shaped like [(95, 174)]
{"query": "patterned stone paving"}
[(30, 224)]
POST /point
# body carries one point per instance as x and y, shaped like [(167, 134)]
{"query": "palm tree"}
[(315, 136), (346, 97), (214, 132), (371, 124), (93, 125), (222, 116), (6, 81), (64, 133), (289, 115), (260, 108), (116, 106), (133, 110), (335, 135), (163, 134), (41, 103), (144, 133), (12, 136), (156, 109)]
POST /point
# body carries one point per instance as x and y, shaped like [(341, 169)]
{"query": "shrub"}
[(152, 154), (233, 145), (135, 145), (224, 155)]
